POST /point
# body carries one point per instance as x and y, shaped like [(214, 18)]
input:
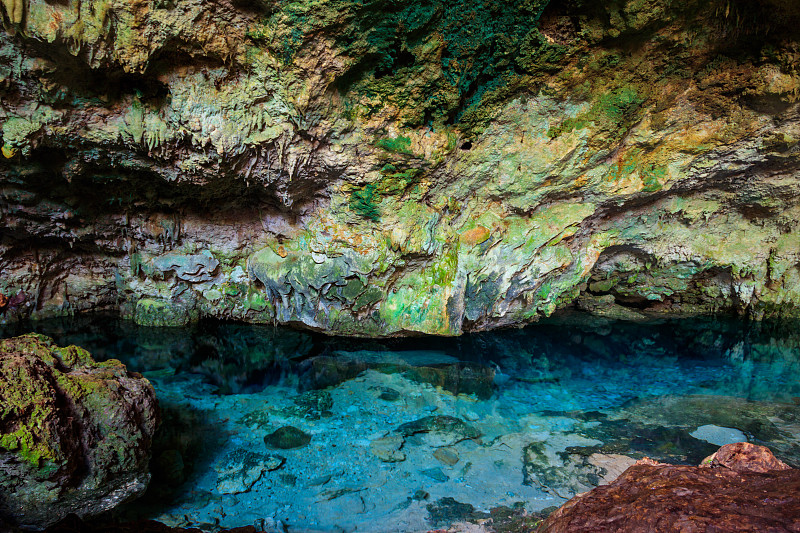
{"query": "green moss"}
[(613, 111), (652, 177), (432, 61), (364, 202), (161, 313), (400, 145)]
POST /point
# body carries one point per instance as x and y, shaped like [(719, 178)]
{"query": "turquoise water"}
[(415, 434)]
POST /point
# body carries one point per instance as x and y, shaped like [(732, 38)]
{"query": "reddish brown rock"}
[(742, 487), (745, 457)]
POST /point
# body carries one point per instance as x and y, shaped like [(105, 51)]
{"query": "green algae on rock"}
[(75, 435), (390, 168)]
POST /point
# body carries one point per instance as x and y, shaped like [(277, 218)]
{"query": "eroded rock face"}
[(742, 487), (75, 434), (388, 169)]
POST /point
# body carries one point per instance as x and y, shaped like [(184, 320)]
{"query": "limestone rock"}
[(439, 431), (653, 496), (194, 268), (241, 469), (448, 456), (718, 435), (75, 435), (745, 457), (387, 448), (161, 313)]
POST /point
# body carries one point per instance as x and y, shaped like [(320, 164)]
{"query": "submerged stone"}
[(287, 438), (76, 435), (241, 469), (387, 449), (436, 474), (718, 435), (446, 511), (311, 405), (439, 431), (448, 456), (438, 369)]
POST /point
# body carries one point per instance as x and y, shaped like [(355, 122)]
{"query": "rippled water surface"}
[(415, 434)]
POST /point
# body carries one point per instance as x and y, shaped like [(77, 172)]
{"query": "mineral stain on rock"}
[(407, 169)]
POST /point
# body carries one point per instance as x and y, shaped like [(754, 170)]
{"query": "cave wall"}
[(385, 168)]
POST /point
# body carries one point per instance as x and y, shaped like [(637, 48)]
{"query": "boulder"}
[(287, 438), (742, 487), (75, 434)]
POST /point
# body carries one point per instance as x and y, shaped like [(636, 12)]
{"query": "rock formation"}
[(387, 168), (75, 435), (742, 487)]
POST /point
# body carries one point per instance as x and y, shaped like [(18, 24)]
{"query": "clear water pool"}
[(417, 434)]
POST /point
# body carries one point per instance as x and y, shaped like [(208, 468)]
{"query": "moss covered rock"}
[(75, 434)]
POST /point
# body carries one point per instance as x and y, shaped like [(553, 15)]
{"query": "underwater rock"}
[(387, 448), (718, 435), (438, 431), (311, 405), (76, 435), (241, 469), (448, 456), (576, 470), (435, 474), (743, 488), (446, 511), (287, 438)]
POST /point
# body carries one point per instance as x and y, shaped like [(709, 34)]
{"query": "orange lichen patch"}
[(3, 301), (9, 151), (475, 236), (281, 251)]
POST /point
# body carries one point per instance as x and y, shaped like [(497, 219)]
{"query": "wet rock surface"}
[(742, 487), (405, 169), (75, 435)]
